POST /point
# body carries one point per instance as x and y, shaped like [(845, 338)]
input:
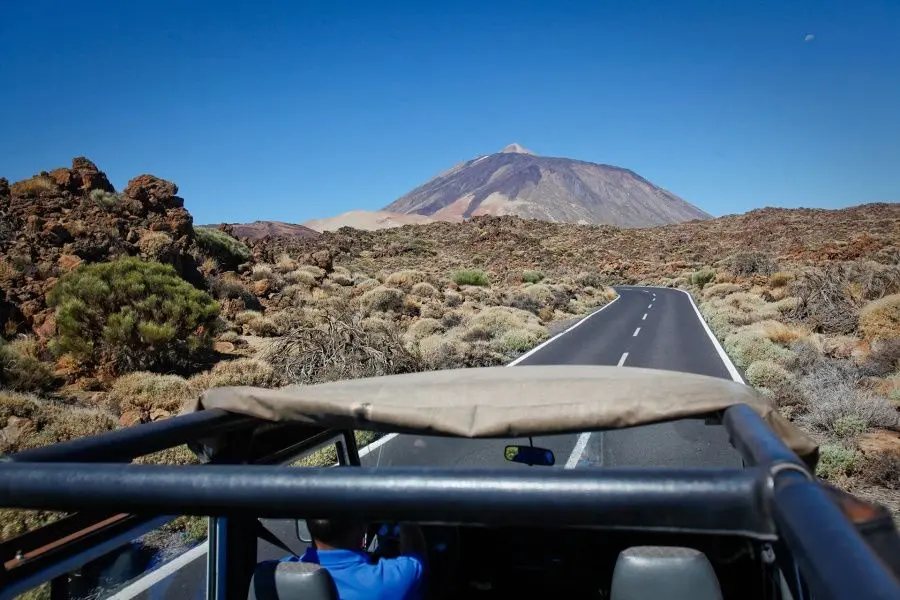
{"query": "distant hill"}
[(370, 220), (515, 181), (260, 229)]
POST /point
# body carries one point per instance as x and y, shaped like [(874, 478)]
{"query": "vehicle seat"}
[(276, 580), (671, 572)]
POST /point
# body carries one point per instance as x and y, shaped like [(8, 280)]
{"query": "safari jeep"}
[(526, 527)]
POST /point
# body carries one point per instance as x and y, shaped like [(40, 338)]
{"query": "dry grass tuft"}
[(150, 391), (881, 319), (240, 371)]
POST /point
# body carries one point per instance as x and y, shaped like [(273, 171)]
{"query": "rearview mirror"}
[(530, 455), (303, 532)]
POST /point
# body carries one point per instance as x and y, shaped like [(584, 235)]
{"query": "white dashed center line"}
[(636, 331), (622, 360), (644, 318), (650, 306)]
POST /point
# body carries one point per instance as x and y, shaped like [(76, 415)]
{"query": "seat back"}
[(670, 572), (276, 580)]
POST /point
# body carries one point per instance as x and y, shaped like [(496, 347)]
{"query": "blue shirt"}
[(356, 579)]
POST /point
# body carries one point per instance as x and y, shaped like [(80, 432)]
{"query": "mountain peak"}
[(517, 149)]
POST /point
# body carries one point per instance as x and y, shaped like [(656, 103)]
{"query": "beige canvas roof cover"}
[(502, 402)]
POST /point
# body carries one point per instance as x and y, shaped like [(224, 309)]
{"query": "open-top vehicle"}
[(767, 529)]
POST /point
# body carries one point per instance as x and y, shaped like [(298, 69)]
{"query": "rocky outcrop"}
[(59, 219)]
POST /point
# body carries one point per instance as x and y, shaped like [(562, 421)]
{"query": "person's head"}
[(337, 533)]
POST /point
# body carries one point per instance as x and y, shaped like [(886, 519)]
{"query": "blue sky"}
[(305, 109)]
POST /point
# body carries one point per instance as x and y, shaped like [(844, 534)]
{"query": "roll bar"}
[(775, 499)]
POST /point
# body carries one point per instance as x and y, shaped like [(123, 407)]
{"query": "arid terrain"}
[(115, 309)]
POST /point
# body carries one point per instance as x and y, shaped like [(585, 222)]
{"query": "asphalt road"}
[(645, 327)]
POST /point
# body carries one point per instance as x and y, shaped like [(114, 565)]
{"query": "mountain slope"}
[(518, 182), (260, 229), (369, 220)]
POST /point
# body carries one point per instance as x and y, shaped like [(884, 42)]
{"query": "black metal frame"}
[(775, 499)]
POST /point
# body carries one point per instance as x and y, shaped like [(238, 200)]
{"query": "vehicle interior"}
[(767, 530)]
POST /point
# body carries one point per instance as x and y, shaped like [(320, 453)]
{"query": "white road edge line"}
[(622, 360), (732, 370), (636, 331), (154, 577), (729, 366), (562, 333), (578, 450)]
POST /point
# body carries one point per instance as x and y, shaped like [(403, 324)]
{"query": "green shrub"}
[(532, 276), (471, 277), (702, 277), (221, 246), (766, 374), (836, 460), (106, 200), (746, 347), (849, 426), (132, 315)]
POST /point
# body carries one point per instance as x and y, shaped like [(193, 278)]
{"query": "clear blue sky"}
[(303, 109)]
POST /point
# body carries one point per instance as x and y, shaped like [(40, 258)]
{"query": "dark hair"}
[(337, 533)]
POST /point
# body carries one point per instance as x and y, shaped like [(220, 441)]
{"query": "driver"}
[(338, 546)]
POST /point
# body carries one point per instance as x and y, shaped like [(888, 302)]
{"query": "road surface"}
[(645, 327)]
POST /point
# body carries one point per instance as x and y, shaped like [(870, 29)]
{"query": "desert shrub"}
[(703, 277), (240, 371), (230, 336), (106, 200), (226, 286), (823, 301), (150, 391), (452, 299), (299, 277), (365, 285), (318, 272), (154, 245), (590, 279), (883, 359), (344, 346), (751, 263), (780, 279), (849, 427), (261, 271), (257, 323), (831, 394), (48, 422), (405, 279), (471, 277), (836, 460), (221, 246), (23, 371), (780, 333), (285, 264), (421, 328), (33, 186), (425, 290), (524, 301), (747, 346), (881, 319), (720, 290), (519, 340), (532, 276), (767, 374), (539, 292), (131, 314), (342, 279), (382, 299)]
